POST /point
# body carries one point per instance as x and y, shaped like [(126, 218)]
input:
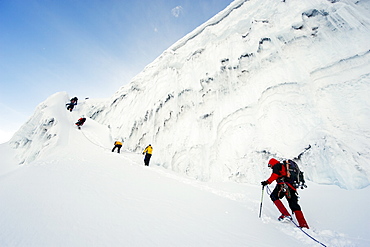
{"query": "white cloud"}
[(176, 11)]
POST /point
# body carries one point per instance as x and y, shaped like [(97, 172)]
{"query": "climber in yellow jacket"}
[(118, 145), (148, 154)]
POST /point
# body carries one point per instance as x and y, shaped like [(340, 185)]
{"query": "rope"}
[(308, 235), (101, 146), (291, 219), (92, 141)]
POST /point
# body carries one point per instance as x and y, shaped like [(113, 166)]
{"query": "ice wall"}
[(261, 79)]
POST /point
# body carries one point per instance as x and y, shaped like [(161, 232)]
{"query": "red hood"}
[(273, 162)]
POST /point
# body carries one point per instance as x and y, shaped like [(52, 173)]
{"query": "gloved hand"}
[(264, 183)]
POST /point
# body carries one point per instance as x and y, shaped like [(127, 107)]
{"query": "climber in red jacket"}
[(80, 122), (282, 189)]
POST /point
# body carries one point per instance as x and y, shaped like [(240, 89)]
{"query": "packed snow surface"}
[(262, 79), (79, 193)]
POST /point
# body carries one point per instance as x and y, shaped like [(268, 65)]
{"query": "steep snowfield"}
[(261, 78), (79, 193)]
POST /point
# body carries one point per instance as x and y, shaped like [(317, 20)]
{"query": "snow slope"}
[(79, 193), (262, 78)]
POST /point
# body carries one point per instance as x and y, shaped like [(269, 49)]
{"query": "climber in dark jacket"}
[(74, 100)]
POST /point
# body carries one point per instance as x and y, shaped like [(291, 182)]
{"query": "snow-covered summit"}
[(288, 79), (48, 131), (44, 131)]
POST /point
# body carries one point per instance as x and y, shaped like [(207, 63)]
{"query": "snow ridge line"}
[(359, 59), (195, 33), (204, 187), (240, 197)]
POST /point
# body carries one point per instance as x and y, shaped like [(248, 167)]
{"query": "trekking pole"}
[(263, 188)]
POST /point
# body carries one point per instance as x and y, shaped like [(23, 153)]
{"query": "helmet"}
[(273, 162)]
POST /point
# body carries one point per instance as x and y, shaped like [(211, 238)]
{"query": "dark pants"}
[(290, 195), (70, 107), (79, 123), (147, 159), (117, 146)]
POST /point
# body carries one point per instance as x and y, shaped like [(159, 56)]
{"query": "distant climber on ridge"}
[(72, 104), (148, 154), (80, 122), (74, 100), (284, 189), (117, 145)]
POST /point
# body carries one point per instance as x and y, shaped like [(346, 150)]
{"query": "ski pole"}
[(263, 188)]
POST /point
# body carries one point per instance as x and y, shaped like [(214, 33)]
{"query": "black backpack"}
[(294, 175)]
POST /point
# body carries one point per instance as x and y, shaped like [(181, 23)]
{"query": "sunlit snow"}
[(262, 79)]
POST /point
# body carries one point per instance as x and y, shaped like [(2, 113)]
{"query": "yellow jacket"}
[(148, 150), (118, 143)]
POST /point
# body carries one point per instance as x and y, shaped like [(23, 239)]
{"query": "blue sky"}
[(88, 48)]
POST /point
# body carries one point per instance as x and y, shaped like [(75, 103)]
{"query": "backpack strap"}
[(286, 162)]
